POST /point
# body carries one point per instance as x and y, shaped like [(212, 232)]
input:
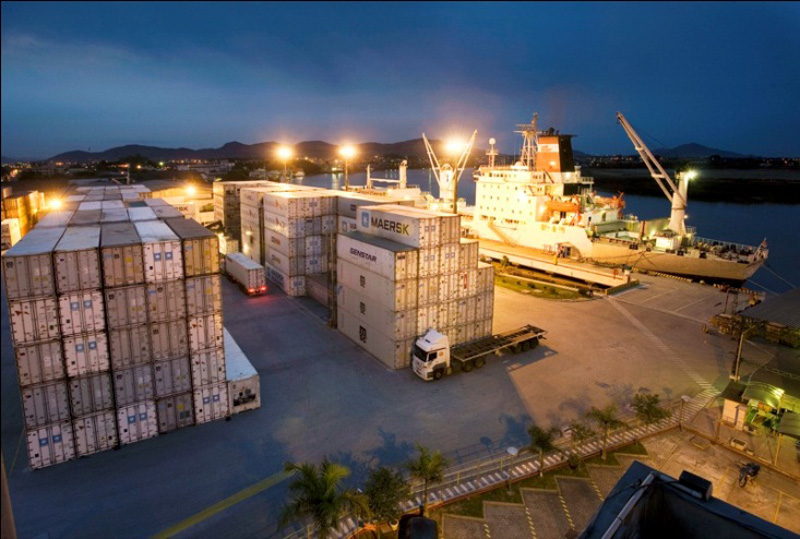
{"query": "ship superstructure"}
[(544, 202)]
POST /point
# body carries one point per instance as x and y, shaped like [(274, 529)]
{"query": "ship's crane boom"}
[(676, 194), (447, 176)]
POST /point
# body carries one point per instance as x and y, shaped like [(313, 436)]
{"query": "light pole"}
[(684, 399), (513, 452), (284, 152), (347, 152), (454, 149)]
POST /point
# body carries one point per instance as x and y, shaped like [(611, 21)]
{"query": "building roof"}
[(782, 371), (647, 503), (783, 309), (733, 392), (790, 424)]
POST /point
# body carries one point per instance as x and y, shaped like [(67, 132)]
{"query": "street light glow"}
[(191, 190), (55, 204), (347, 151), (284, 152), (692, 174), (454, 146)]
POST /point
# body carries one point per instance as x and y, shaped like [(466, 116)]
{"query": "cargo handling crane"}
[(447, 176), (677, 192)]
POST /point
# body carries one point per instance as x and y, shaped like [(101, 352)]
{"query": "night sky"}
[(197, 74)]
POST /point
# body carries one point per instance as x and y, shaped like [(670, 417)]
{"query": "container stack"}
[(116, 319), (24, 208), (10, 233), (407, 270)]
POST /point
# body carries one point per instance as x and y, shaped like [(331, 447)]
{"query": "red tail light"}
[(263, 288), (250, 290)]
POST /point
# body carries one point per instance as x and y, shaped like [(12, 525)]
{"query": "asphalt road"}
[(323, 396)]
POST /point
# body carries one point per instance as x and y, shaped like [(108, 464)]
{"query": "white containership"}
[(543, 202)]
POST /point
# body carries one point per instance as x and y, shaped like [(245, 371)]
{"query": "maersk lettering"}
[(391, 226), (362, 254)]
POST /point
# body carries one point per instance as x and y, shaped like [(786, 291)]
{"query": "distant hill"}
[(260, 150), (694, 150)]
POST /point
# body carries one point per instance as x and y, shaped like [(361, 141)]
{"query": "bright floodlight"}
[(55, 204), (191, 190), (454, 146), (691, 175), (284, 152), (347, 151), (492, 141)]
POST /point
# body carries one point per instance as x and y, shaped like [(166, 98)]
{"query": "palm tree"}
[(542, 441), (607, 419), (385, 489), (427, 466), (317, 494), (648, 408), (580, 433)]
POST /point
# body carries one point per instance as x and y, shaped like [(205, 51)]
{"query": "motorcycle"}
[(748, 471)]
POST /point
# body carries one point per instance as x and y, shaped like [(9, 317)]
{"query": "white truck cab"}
[(431, 355)]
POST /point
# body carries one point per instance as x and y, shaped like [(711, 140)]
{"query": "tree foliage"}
[(607, 419), (429, 467), (648, 408), (385, 489), (542, 442), (317, 494)]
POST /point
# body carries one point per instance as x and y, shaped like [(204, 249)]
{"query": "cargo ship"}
[(545, 203)]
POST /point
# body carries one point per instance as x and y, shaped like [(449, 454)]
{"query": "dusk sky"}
[(98, 75)]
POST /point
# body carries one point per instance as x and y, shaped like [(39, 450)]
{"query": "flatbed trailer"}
[(518, 340)]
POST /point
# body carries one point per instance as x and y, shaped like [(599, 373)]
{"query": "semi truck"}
[(248, 273), (432, 357)]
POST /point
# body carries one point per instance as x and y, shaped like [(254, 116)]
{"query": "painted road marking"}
[(230, 501)]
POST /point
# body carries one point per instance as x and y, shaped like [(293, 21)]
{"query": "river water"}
[(739, 223)]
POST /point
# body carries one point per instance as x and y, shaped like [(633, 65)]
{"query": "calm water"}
[(739, 223)]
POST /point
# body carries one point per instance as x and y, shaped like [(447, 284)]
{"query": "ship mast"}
[(530, 140), (678, 194)]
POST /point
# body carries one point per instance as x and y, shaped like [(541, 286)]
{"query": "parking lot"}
[(322, 395)]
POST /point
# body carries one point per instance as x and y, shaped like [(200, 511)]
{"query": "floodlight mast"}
[(676, 194), (447, 176)]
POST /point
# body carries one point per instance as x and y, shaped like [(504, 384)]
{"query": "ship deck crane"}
[(677, 192), (447, 176)]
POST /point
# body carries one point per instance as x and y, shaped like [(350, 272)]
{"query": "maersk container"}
[(244, 385), (141, 213), (468, 254), (129, 346), (125, 306), (200, 247), (121, 253), (211, 403), (389, 259), (133, 385), (429, 262), (421, 230), (291, 266), (168, 339), (248, 273), (50, 445), (393, 353), (81, 312), (91, 394), (345, 225), (172, 376), (208, 367), (395, 324), (204, 294), (86, 217), (347, 203), (137, 422), (55, 219), (163, 257), (119, 215), (45, 404), (95, 433), (86, 354), (291, 247), (33, 320), (293, 286), (448, 258), (394, 295), (77, 259), (205, 331), (165, 301), (175, 412), (451, 228), (429, 290), (28, 265), (39, 363)]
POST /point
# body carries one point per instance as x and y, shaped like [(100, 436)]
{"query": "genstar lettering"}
[(391, 226), (362, 254)]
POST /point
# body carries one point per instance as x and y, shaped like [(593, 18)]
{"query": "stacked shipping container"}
[(407, 270), (117, 325)]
